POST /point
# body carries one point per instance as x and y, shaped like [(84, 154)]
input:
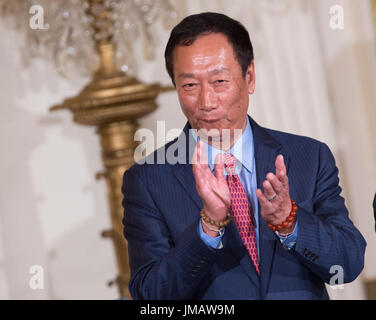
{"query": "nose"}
[(207, 98)]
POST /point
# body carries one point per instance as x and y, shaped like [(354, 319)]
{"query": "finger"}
[(199, 158), (195, 155), (195, 162), (275, 182), (284, 180), (205, 170), (199, 155), (203, 180), (268, 190), (265, 203), (280, 164), (281, 170), (203, 160), (199, 170), (219, 168)]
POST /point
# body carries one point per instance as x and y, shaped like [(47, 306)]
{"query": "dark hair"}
[(187, 31)]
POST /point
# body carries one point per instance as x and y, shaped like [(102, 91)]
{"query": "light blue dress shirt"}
[(243, 151)]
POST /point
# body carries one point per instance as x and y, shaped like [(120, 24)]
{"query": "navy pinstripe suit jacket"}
[(168, 259)]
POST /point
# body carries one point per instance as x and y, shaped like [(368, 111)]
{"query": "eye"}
[(220, 82), (190, 86)]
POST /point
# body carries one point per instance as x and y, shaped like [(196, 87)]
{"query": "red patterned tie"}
[(240, 210)]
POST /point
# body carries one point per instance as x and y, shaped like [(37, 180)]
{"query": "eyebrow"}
[(212, 73), (218, 71), (186, 75)]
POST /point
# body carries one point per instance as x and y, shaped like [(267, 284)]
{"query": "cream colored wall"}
[(350, 64), (51, 208), (310, 80)]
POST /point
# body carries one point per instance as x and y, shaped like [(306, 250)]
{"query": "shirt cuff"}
[(289, 241), (215, 243)]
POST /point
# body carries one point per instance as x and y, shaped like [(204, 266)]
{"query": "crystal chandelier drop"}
[(72, 28)]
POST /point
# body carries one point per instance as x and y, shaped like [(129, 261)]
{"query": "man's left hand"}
[(275, 200)]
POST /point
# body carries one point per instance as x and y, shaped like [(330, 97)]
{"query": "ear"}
[(250, 77)]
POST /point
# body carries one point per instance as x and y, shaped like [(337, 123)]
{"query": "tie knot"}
[(229, 161)]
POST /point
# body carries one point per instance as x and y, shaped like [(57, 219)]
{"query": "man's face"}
[(212, 91)]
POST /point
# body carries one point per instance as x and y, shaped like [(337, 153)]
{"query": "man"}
[(257, 213)]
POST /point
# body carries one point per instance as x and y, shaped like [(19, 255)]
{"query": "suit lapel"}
[(185, 176), (183, 171), (266, 151)]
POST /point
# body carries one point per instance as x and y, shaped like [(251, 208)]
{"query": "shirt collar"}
[(243, 149)]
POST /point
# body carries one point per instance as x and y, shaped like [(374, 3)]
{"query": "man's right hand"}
[(212, 188)]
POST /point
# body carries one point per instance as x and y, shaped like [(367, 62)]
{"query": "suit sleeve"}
[(160, 268), (327, 240)]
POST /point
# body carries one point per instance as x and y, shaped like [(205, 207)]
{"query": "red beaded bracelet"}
[(288, 221)]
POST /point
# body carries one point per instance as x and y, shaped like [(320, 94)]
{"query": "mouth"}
[(209, 120)]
